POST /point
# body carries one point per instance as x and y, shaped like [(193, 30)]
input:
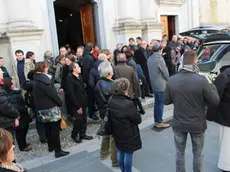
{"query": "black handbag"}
[(105, 128)]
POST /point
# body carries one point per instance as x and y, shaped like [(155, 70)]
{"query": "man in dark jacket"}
[(5, 72), (190, 93), (166, 54), (9, 116), (141, 56), (77, 98)]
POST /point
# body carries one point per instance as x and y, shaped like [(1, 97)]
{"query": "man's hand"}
[(80, 111), (61, 91), (16, 123)]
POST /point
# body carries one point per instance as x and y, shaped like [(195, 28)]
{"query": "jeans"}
[(158, 106), (180, 139), (125, 161)]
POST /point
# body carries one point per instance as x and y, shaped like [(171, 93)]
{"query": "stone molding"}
[(170, 2), (124, 27)]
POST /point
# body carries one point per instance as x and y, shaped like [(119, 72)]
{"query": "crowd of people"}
[(77, 85)]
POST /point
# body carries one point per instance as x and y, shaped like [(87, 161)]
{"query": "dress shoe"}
[(77, 139), (148, 95), (142, 111), (162, 125), (86, 137), (94, 117), (27, 149), (61, 153), (50, 149)]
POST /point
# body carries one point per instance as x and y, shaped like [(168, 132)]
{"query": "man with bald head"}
[(141, 56)]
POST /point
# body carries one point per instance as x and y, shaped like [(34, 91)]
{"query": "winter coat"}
[(8, 113), (88, 64), (16, 99), (94, 75), (45, 95), (124, 121), (190, 93), (125, 71), (58, 73), (28, 66), (76, 93), (142, 61), (158, 72), (220, 113), (65, 73), (167, 56), (51, 65), (5, 72), (103, 91)]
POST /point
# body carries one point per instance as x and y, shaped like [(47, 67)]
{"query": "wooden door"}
[(87, 23), (171, 26), (164, 26)]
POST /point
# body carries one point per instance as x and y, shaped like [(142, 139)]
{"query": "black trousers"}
[(91, 101), (79, 124), (52, 130), (21, 137), (139, 105), (40, 130)]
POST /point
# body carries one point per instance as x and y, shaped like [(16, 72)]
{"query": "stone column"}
[(152, 29), (18, 14), (3, 18), (127, 22)]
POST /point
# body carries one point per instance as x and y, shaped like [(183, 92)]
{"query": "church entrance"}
[(75, 22), (168, 26)]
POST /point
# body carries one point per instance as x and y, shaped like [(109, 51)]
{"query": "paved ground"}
[(156, 155)]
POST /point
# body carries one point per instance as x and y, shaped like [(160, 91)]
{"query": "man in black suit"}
[(166, 54), (141, 56), (78, 100)]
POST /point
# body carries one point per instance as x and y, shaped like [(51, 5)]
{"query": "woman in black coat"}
[(221, 116), (47, 103), (16, 99), (124, 124)]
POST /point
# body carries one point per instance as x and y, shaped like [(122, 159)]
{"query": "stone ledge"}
[(170, 2)]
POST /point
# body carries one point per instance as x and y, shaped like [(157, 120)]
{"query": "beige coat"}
[(29, 65)]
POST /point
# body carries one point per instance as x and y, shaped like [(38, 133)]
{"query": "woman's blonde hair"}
[(6, 142)]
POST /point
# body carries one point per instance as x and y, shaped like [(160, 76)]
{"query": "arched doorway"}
[(75, 22)]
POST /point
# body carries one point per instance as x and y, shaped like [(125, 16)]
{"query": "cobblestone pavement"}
[(40, 150)]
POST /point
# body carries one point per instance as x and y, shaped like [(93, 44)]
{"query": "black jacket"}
[(76, 93), (103, 91), (88, 64), (166, 54), (65, 72), (8, 113), (220, 113), (45, 95), (190, 93), (125, 119), (16, 99), (6, 170)]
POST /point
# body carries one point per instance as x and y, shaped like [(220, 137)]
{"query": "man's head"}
[(105, 69), (63, 51), (19, 54), (69, 60), (8, 83), (75, 68), (185, 40), (163, 43), (30, 55), (174, 38), (61, 59), (89, 47), (1, 74), (144, 44), (102, 57), (190, 58), (107, 53), (153, 42), (80, 51), (189, 40), (138, 40), (156, 48), (121, 58), (131, 41), (1, 61)]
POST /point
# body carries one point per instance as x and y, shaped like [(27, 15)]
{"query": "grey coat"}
[(190, 93), (158, 72), (125, 71), (58, 73)]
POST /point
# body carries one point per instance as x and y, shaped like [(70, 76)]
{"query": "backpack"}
[(29, 99)]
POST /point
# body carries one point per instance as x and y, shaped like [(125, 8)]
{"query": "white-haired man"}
[(103, 91)]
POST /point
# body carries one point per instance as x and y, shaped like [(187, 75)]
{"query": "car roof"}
[(217, 37)]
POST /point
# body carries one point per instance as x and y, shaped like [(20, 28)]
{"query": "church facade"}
[(48, 24)]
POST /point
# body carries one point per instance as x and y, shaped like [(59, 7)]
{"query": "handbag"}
[(49, 115), (106, 126), (63, 124)]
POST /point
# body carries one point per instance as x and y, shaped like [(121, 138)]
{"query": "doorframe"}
[(98, 23)]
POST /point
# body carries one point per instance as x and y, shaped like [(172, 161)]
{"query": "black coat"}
[(125, 119), (166, 54), (220, 113), (45, 95), (88, 64), (76, 93), (16, 99), (65, 72), (8, 113), (141, 60), (7, 170)]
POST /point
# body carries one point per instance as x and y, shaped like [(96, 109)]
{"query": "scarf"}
[(190, 68)]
